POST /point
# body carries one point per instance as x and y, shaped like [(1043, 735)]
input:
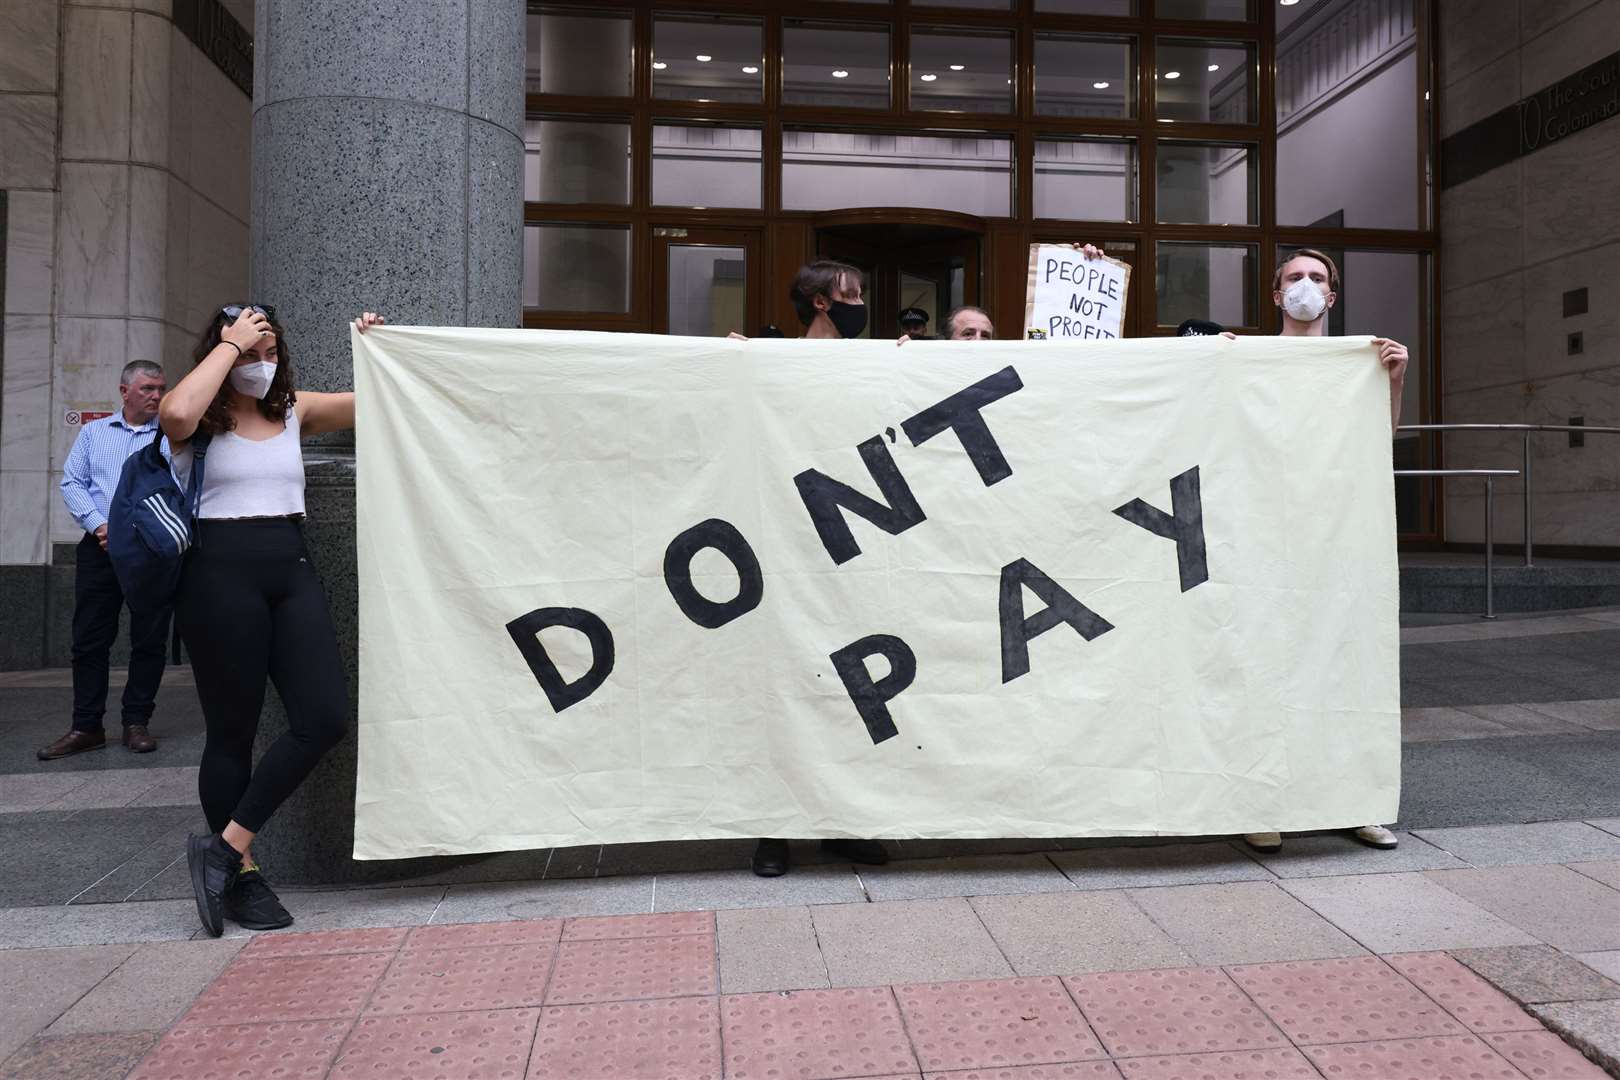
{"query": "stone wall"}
[(1513, 241)]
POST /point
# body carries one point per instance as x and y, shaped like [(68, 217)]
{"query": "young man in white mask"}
[(1305, 286)]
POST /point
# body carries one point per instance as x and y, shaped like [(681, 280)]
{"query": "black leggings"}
[(251, 605)]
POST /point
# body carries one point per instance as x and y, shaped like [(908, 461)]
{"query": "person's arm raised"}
[(320, 413), (184, 406)]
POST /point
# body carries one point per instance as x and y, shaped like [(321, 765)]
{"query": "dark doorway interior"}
[(934, 267)]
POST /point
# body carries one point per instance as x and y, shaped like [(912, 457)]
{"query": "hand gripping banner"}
[(617, 587)]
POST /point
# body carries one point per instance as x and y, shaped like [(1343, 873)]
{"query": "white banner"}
[(616, 587)]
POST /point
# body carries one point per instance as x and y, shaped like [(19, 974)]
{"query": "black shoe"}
[(865, 852), (251, 904), (771, 858), (214, 865)]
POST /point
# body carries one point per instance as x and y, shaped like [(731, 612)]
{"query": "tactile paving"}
[(1283, 1064), (291, 1051), (1459, 1057), (628, 968), (814, 1035), (996, 1022), (295, 988), (1171, 1011), (603, 927), (1541, 1055), (1069, 1070), (632, 1040), (324, 943), (478, 935), (423, 981), (1358, 999), (1480, 1006), (464, 1045)]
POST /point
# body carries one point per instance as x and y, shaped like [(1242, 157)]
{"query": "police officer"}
[(914, 324)]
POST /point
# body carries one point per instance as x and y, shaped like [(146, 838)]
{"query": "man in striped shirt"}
[(89, 477)]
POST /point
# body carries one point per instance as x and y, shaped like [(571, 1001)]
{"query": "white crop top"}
[(244, 478)]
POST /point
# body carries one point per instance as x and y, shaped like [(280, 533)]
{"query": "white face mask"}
[(253, 379), (1304, 301)]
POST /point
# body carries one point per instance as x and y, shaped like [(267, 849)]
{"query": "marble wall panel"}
[(151, 45), (1546, 329), (1587, 519), (89, 355), (1540, 16), (1486, 450), (28, 133), (1474, 34), (353, 50), (1571, 197), (177, 345), (1557, 466), (1480, 93), (93, 240), (165, 8), (25, 394), (60, 526), (220, 137), (183, 56), (30, 252), (176, 254), (217, 261), (95, 84), (1483, 333), (1555, 47), (495, 226), (495, 79), (1482, 227), (148, 240), (28, 45), (23, 516), (143, 341)]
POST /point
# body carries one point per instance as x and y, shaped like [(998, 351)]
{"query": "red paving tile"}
[(603, 927), (465, 1045), (994, 1023), (1480, 1006), (1286, 1064), (1069, 1070), (1359, 999), (1457, 1057), (814, 1035), (629, 968), (324, 943), (629, 1040), (476, 935), (1174, 1011), (284, 1051), (425, 981), (1541, 1055), (295, 988)]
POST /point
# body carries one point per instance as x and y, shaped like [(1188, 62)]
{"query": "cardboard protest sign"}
[(1071, 296), (617, 587)]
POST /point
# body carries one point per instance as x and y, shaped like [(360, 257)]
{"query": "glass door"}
[(706, 282)]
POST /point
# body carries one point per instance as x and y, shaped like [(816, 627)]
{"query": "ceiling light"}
[(929, 77), (1099, 86), (704, 58), (1214, 67), (659, 65), (840, 74), (1172, 74), (1287, 3), (958, 67), (750, 70)]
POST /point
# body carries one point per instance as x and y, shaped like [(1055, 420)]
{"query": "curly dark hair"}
[(273, 406)]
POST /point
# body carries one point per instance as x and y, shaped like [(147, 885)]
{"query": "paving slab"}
[(1606, 871), (972, 875), (903, 941), (97, 924), (769, 949), (51, 859), (299, 1049), (81, 1057), (995, 1024), (28, 792), (1524, 719), (1537, 974), (1593, 1027), (1608, 825), (674, 1038), (1604, 963), (723, 889), (458, 1044), (1442, 723), (1283, 1064), (1076, 932), (150, 990), (1515, 845), (1243, 922), (1391, 913), (355, 909), (540, 899), (131, 878), (1162, 864), (1552, 903), (111, 788), (55, 979), (1339, 856), (1602, 714), (1479, 1006), (815, 1035), (1448, 1057)]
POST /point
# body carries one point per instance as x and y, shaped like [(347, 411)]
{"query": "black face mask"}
[(848, 319)]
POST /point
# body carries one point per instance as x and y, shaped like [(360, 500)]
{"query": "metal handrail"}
[(1490, 476), (1528, 430)]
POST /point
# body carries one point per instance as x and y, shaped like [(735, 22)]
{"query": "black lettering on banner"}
[(1061, 607), (1185, 525), (871, 697), (960, 413), (525, 631), (724, 538), (823, 496)]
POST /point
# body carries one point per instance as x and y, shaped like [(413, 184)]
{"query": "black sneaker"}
[(214, 865), (866, 852), (250, 903)]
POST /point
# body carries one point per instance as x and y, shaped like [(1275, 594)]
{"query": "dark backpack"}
[(150, 524)]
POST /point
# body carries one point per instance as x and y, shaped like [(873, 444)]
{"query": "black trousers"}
[(251, 607), (97, 599)]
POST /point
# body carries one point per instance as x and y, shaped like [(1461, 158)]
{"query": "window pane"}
[(576, 267), (705, 165), (1206, 183), (701, 58), (1085, 76), (1224, 10), (1086, 179), (1204, 81), (1347, 81), (985, 5), (961, 70), (1086, 7), (835, 64), (1206, 281), (834, 170), (578, 52), (577, 161), (708, 289)]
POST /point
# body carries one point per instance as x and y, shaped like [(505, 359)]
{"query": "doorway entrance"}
[(907, 260)]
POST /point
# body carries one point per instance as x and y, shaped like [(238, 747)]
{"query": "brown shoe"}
[(74, 742), (137, 740)]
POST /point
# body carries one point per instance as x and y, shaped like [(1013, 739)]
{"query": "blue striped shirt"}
[(90, 474)]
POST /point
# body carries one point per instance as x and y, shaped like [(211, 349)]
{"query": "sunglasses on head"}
[(232, 312)]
